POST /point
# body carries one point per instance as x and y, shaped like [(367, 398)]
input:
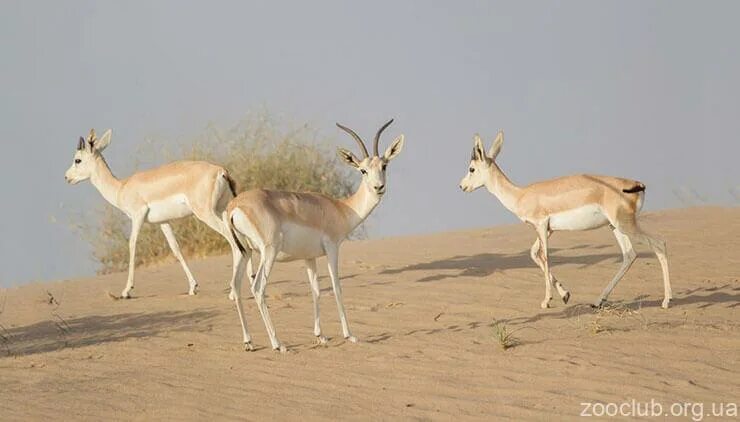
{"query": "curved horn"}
[(357, 138), (377, 137)]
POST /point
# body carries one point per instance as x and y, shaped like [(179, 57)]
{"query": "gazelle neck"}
[(362, 203), (500, 186), (105, 182)]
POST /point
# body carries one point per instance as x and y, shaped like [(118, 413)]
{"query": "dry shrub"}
[(257, 152)]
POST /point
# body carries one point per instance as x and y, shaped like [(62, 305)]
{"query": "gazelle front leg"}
[(542, 233), (332, 255), (175, 247), (313, 281), (536, 254), (136, 221)]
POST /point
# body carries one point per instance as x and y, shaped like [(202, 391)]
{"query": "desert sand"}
[(423, 308)]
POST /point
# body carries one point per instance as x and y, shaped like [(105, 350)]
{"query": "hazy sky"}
[(646, 90)]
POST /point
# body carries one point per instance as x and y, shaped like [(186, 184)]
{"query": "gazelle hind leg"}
[(175, 247), (313, 281), (631, 229), (536, 253), (267, 259), (236, 292), (628, 257), (659, 248), (220, 226)]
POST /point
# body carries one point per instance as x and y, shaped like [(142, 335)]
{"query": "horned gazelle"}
[(287, 226), (580, 202), (157, 196)]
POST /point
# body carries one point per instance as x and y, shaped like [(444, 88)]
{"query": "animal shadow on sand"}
[(485, 264), (51, 335)]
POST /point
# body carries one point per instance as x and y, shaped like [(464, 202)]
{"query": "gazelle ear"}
[(477, 149), (100, 144), (496, 147), (394, 149), (348, 157)]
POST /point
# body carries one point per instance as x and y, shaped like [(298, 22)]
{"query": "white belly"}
[(170, 208), (300, 242), (582, 218)]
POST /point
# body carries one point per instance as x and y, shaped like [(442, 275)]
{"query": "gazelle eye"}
[(363, 171), (472, 170), (77, 161)]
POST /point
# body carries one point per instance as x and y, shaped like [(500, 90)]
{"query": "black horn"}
[(377, 137), (357, 138)]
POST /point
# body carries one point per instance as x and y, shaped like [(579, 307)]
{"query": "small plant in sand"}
[(504, 336), (258, 152)]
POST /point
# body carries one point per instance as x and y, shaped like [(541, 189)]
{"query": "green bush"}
[(256, 152)]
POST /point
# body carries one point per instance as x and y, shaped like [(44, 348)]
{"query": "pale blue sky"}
[(640, 89)]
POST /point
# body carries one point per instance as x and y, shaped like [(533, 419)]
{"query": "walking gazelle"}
[(157, 196), (579, 202), (287, 226)]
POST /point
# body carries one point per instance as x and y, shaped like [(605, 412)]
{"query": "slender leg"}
[(628, 257), (136, 223), (313, 281), (536, 254), (238, 302), (332, 255), (175, 247), (220, 226), (542, 233), (267, 259), (659, 248)]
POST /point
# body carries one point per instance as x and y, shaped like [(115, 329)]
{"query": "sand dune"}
[(422, 308)]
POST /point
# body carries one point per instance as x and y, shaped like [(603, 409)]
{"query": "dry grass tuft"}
[(257, 152), (504, 336)]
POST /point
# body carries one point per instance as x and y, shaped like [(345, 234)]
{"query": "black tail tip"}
[(639, 187)]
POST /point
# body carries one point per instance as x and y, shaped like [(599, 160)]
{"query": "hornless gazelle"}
[(287, 226), (579, 202), (157, 196)]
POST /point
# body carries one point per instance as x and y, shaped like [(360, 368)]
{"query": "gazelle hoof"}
[(566, 297), (352, 339), (280, 348), (599, 304), (193, 290), (126, 295), (248, 347), (665, 303), (545, 304), (232, 295), (321, 340)]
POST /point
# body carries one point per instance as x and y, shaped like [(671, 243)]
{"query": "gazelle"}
[(157, 196), (287, 226), (581, 202)]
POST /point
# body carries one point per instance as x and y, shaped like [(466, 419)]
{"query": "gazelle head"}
[(85, 158), (481, 164), (372, 167)]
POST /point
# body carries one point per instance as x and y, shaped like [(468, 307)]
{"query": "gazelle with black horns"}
[(579, 202), (157, 196), (287, 226)]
